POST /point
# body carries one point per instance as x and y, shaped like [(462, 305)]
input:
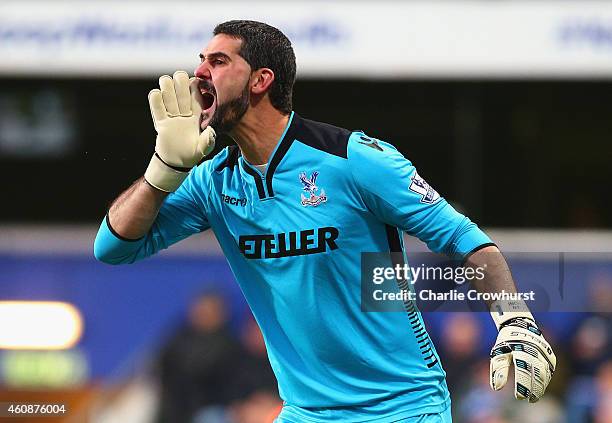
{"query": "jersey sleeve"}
[(182, 214), (396, 194)]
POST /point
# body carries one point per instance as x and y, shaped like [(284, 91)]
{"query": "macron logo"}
[(234, 201)]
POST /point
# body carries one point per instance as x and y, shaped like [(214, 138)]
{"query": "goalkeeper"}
[(293, 204)]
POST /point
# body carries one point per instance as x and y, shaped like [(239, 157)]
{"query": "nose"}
[(202, 71)]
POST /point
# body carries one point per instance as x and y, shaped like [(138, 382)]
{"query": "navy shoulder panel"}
[(322, 136)]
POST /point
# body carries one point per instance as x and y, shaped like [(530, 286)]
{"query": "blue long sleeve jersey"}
[(293, 238)]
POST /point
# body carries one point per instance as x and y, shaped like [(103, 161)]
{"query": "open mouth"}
[(208, 101)]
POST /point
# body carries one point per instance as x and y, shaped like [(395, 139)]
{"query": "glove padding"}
[(520, 341), (180, 143)]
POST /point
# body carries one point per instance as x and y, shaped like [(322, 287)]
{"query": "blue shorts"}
[(443, 417)]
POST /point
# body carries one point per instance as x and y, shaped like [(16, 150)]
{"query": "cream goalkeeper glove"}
[(180, 144), (521, 343)]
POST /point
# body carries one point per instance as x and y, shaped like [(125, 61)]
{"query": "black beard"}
[(229, 114)]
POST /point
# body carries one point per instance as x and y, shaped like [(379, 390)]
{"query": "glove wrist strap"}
[(502, 311), (162, 176)]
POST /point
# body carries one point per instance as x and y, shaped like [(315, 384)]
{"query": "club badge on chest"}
[(309, 185)]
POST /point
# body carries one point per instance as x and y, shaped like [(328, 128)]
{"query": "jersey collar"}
[(263, 181)]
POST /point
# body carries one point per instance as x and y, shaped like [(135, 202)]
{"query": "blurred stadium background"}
[(504, 106)]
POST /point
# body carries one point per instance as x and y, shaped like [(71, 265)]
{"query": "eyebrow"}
[(215, 55)]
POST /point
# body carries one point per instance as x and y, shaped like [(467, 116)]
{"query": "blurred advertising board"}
[(384, 39)]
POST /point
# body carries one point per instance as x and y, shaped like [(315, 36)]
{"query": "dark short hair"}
[(264, 46)]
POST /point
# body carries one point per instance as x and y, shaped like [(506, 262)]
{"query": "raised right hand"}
[(180, 143)]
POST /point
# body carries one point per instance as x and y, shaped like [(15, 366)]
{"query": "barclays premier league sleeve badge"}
[(419, 186)]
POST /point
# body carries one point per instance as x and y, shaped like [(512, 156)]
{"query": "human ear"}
[(261, 80)]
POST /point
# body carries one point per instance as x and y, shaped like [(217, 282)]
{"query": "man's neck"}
[(258, 133)]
